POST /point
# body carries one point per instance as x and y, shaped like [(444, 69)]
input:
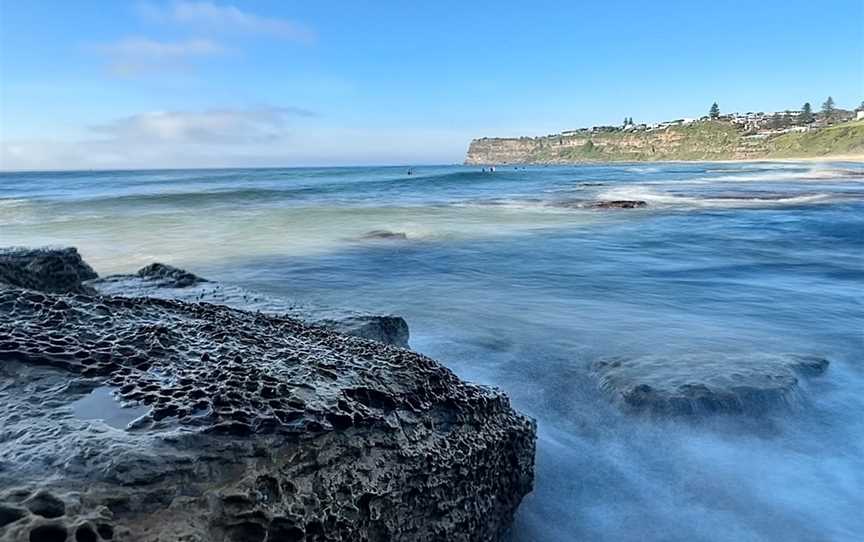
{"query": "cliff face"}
[(697, 141)]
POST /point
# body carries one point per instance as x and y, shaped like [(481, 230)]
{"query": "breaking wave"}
[(787, 174), (735, 200)]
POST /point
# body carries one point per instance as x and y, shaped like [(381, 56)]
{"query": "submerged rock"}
[(707, 382), (387, 329), (56, 270), (256, 428), (385, 235), (578, 203), (168, 276), (618, 204)]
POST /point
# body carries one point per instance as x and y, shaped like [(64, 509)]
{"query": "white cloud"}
[(142, 56), (227, 18), (134, 56), (165, 139), (231, 137), (224, 126), (153, 49)]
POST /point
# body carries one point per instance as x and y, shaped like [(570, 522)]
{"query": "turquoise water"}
[(510, 279)]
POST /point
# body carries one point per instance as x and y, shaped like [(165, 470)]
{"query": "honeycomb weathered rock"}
[(58, 270), (256, 428), (167, 282)]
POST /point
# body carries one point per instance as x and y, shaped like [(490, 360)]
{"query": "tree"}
[(776, 121), (806, 116), (828, 108), (714, 112)]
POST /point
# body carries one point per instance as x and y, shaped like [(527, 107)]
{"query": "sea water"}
[(514, 279)]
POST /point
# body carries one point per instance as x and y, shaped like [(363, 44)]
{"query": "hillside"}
[(703, 140)]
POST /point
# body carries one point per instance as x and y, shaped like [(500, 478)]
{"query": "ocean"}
[(514, 279)]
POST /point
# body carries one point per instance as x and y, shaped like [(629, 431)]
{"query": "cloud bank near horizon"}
[(244, 137)]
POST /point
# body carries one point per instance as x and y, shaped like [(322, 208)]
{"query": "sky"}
[(187, 83)]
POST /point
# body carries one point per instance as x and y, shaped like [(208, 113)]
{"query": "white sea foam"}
[(12, 202), (15, 211), (657, 198), (643, 169), (786, 174), (515, 205)]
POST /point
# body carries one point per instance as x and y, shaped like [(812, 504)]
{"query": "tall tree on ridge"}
[(806, 116), (714, 112), (828, 108)]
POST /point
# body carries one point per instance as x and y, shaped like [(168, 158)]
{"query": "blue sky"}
[(110, 84)]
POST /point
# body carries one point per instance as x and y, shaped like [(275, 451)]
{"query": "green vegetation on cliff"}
[(703, 140), (846, 138)]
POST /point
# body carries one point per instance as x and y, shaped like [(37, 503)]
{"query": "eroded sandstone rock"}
[(168, 276), (703, 383), (57, 270), (255, 428), (62, 270), (387, 329), (166, 282)]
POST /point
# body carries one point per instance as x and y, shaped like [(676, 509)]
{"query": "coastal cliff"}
[(703, 140)]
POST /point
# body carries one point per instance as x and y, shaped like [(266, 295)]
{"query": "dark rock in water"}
[(55, 270), (385, 234), (256, 428), (708, 382), (387, 329), (169, 276), (618, 204), (603, 204)]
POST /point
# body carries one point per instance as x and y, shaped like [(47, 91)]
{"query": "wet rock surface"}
[(385, 235), (579, 203), (185, 286), (706, 383), (256, 428), (168, 276), (386, 329), (58, 270), (618, 204)]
